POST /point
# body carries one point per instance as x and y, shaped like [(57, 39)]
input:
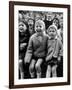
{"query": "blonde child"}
[(36, 50)]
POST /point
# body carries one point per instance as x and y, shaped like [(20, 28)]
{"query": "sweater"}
[(36, 47)]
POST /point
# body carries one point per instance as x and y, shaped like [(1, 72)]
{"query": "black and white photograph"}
[(40, 47), (40, 44)]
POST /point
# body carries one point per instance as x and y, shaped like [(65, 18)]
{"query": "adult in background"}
[(48, 19)]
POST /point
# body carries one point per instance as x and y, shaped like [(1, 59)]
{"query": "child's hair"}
[(30, 19), (40, 22), (22, 21)]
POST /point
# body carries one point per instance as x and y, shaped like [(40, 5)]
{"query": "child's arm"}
[(48, 56), (29, 52), (23, 45), (24, 42)]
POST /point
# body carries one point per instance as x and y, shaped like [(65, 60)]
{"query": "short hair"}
[(40, 22), (30, 19)]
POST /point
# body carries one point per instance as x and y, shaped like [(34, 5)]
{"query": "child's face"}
[(22, 27), (37, 17), (55, 22), (49, 17), (30, 22), (39, 28), (52, 32)]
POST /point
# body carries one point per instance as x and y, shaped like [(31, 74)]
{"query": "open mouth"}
[(21, 30), (38, 30)]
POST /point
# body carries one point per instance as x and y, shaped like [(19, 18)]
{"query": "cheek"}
[(54, 33), (42, 28), (20, 27), (36, 28), (49, 33), (24, 29)]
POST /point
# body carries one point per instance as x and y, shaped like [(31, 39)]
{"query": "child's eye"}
[(52, 31), (36, 26), (49, 31), (21, 25), (40, 26)]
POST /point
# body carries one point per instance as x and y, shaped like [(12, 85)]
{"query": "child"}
[(54, 48), (23, 40), (56, 22), (31, 26), (36, 50)]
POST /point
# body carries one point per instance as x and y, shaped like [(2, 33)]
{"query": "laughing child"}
[(36, 50)]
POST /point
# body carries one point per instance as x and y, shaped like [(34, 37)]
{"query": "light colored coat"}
[(54, 48)]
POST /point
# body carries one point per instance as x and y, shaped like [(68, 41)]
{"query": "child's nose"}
[(21, 26), (38, 27), (51, 32)]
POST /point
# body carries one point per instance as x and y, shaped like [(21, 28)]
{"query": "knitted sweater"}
[(36, 47)]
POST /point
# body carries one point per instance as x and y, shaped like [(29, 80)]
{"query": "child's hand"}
[(59, 59), (22, 45), (27, 58), (48, 58)]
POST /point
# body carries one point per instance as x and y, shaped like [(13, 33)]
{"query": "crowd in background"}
[(49, 18)]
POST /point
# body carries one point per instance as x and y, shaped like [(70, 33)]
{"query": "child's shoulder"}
[(46, 36), (33, 36), (59, 41)]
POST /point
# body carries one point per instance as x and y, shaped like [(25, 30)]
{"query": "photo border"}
[(11, 43)]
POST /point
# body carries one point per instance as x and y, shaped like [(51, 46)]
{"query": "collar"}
[(39, 35), (54, 39)]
